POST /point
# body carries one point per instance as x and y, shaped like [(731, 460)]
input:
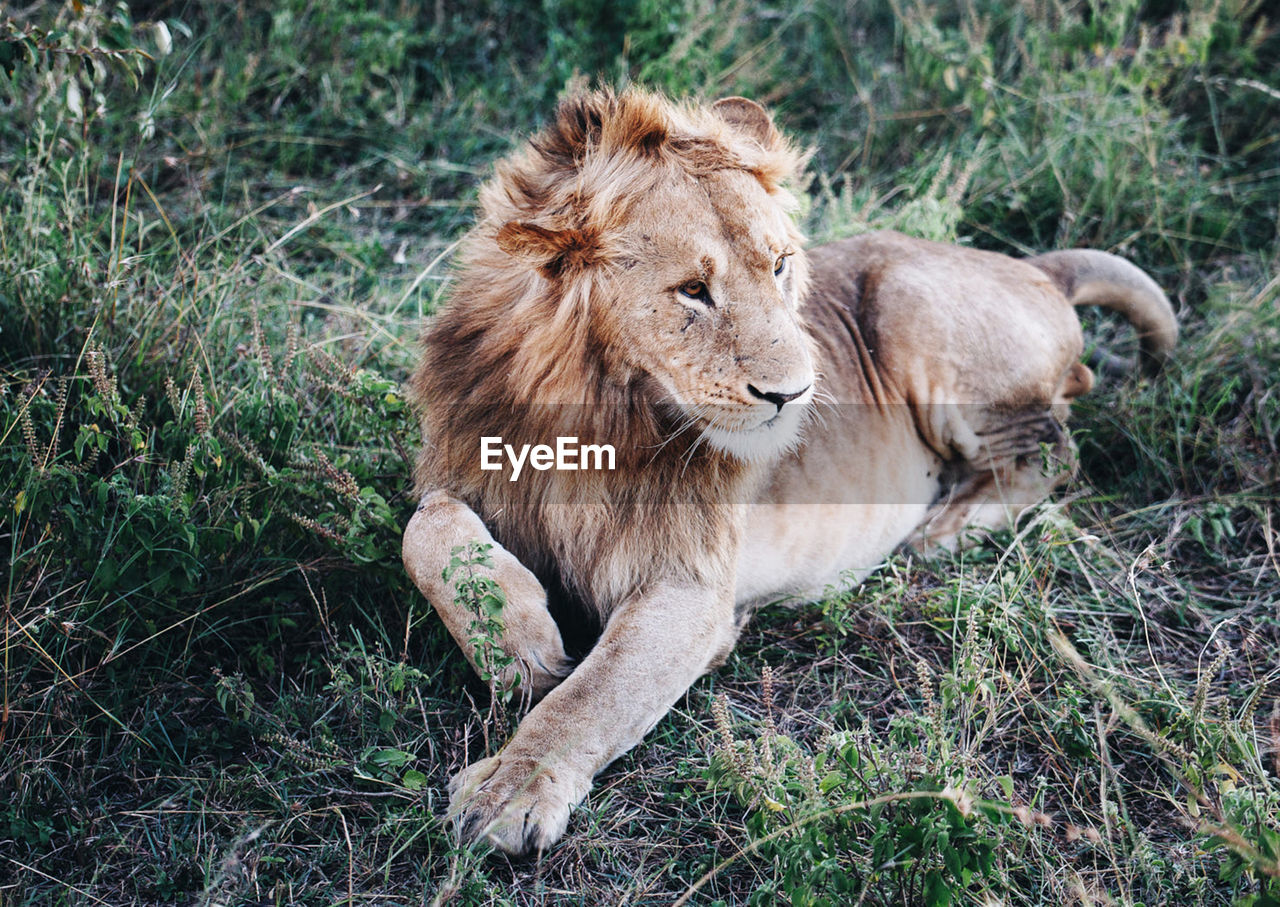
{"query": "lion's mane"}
[(524, 348)]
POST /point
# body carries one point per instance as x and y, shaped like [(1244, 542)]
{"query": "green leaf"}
[(390, 758), (936, 891)]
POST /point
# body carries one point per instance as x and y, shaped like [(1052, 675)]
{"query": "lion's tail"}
[(1090, 277)]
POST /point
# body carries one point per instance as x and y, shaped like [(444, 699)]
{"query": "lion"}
[(782, 418)]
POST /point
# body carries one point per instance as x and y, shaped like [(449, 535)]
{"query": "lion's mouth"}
[(745, 417), (752, 435)]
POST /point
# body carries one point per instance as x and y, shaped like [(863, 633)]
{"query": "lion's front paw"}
[(539, 671), (519, 804)]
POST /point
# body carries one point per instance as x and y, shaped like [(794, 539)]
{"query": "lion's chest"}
[(834, 510)]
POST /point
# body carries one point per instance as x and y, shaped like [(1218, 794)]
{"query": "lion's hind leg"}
[(1020, 461)]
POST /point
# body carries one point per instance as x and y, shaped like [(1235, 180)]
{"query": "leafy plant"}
[(854, 820), (480, 594)]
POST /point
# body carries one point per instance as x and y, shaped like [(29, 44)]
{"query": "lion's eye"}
[(696, 289), (780, 264)]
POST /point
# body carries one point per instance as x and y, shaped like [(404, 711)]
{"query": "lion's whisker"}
[(691, 420)]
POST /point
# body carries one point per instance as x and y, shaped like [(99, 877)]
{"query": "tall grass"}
[(220, 229)]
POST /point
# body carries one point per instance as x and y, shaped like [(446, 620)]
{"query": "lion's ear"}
[(553, 252), (750, 119)]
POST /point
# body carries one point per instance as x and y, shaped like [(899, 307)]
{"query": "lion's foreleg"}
[(652, 649), (530, 635)]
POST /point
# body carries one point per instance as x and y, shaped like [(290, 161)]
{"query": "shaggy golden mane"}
[(523, 349), (603, 151)]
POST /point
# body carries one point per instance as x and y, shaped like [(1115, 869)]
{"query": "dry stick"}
[(46, 875), (351, 898), (1136, 565), (115, 207), (244, 219), (1275, 734), (164, 215), (4, 707), (417, 281), (312, 218), (1270, 536)]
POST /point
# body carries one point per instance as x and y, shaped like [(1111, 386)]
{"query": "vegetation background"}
[(221, 225)]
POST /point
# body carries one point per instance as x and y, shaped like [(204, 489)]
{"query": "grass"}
[(220, 229)]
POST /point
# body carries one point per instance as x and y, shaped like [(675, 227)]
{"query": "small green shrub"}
[(481, 595), (892, 818)]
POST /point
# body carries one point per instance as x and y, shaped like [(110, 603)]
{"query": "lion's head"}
[(637, 249)]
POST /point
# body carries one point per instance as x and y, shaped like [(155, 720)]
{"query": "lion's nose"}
[(777, 398)]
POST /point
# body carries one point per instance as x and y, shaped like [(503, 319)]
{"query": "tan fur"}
[(763, 449)]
